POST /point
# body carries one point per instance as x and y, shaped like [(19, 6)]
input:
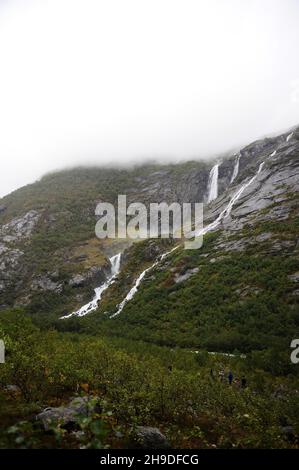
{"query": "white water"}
[(236, 168), (227, 210), (289, 136), (273, 153), (213, 183), (203, 231), (115, 264), (134, 289), (93, 304)]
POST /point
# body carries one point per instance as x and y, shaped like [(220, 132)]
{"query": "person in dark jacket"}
[(230, 377)]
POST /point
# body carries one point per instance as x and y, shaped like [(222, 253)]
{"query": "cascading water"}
[(289, 136), (226, 211), (93, 304), (213, 183), (236, 168), (115, 264), (134, 289)]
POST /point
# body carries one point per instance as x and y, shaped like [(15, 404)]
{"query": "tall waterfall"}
[(289, 136), (236, 168), (93, 304), (213, 183), (226, 211)]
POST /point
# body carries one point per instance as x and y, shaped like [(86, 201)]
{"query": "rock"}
[(151, 438), (13, 389), (77, 281), (186, 275), (45, 283), (219, 258), (68, 416), (247, 291), (289, 432), (2, 208), (20, 227), (95, 276), (234, 245), (282, 246), (263, 237), (294, 277)]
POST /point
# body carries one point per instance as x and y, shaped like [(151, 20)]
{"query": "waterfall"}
[(115, 264), (213, 183), (289, 136), (93, 304), (236, 168), (226, 211), (134, 289)]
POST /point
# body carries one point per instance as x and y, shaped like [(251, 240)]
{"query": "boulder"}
[(186, 275), (68, 416), (151, 438)]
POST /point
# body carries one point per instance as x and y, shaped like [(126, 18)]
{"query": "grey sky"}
[(91, 81)]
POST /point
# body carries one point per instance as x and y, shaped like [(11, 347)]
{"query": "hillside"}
[(157, 347), (219, 297)]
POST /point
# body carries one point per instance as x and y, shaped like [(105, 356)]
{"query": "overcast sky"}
[(101, 81)]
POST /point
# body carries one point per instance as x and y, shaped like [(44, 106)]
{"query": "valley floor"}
[(130, 384)]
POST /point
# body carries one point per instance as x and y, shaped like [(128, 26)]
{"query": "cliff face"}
[(51, 260), (240, 290)]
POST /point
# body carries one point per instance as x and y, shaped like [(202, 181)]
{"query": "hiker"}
[(211, 373), (243, 381), (230, 377)]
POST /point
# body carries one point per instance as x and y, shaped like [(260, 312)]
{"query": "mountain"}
[(238, 292), (145, 359)]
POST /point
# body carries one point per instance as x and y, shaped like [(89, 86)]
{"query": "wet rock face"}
[(13, 233), (20, 227), (96, 275), (45, 283)]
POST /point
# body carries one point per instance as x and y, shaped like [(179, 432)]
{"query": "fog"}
[(115, 82)]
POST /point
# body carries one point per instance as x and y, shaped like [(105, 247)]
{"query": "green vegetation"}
[(135, 386), (238, 303)]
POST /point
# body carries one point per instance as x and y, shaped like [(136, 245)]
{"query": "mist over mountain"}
[(110, 82), (144, 338)]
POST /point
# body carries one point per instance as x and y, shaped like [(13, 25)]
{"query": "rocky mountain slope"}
[(51, 260)]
